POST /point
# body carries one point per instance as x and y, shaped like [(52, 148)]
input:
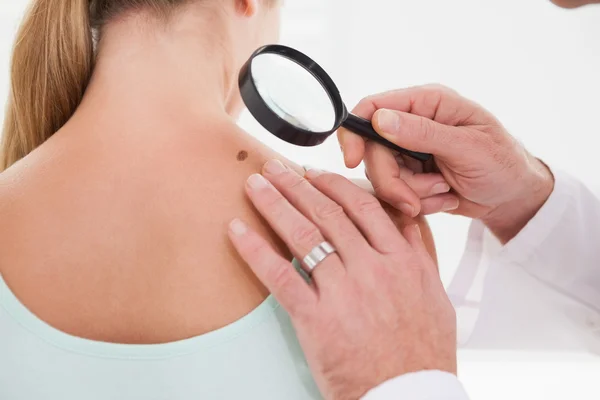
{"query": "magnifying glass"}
[(292, 97)]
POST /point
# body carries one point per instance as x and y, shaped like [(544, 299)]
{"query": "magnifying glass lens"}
[(293, 93), (296, 100)]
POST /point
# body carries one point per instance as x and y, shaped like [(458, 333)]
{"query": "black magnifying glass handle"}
[(365, 129)]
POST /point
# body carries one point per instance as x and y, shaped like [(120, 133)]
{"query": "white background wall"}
[(535, 66)]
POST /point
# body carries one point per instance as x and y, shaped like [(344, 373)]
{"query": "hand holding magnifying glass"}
[(293, 98)]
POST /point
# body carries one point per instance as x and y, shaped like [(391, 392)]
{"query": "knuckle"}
[(503, 140), (284, 279), (368, 100), (364, 104), (292, 181), (328, 210), (426, 129), (438, 87), (306, 235), (281, 276), (256, 250), (296, 311), (364, 101), (274, 202), (365, 205), (432, 87), (432, 99), (303, 312)]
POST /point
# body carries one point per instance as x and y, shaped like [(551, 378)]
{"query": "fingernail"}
[(439, 189), (418, 230), (407, 209), (313, 173), (257, 181), (450, 205), (388, 121), (238, 227), (274, 167)]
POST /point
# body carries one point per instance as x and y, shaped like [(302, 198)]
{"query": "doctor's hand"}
[(375, 308), (492, 176)]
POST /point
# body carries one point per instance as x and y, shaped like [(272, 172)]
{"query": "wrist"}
[(508, 219)]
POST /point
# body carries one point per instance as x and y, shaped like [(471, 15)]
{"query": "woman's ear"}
[(247, 8)]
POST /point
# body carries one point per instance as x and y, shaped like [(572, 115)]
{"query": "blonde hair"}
[(51, 67)]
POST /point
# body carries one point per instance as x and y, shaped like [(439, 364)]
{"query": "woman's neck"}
[(182, 77)]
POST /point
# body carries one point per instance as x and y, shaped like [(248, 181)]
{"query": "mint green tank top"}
[(256, 357)]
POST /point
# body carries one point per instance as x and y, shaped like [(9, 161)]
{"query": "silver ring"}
[(317, 255)]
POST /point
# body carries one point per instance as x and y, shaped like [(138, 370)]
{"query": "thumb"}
[(419, 134)]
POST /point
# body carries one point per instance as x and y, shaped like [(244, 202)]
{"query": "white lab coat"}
[(539, 291)]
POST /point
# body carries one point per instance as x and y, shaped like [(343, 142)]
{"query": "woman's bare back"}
[(122, 236), (127, 243)]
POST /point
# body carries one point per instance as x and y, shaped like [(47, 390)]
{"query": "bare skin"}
[(573, 3), (115, 229), (132, 249), (349, 347)]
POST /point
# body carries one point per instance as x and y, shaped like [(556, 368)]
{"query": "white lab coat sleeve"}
[(424, 385), (560, 246)]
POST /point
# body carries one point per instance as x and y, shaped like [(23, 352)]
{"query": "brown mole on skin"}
[(242, 155)]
